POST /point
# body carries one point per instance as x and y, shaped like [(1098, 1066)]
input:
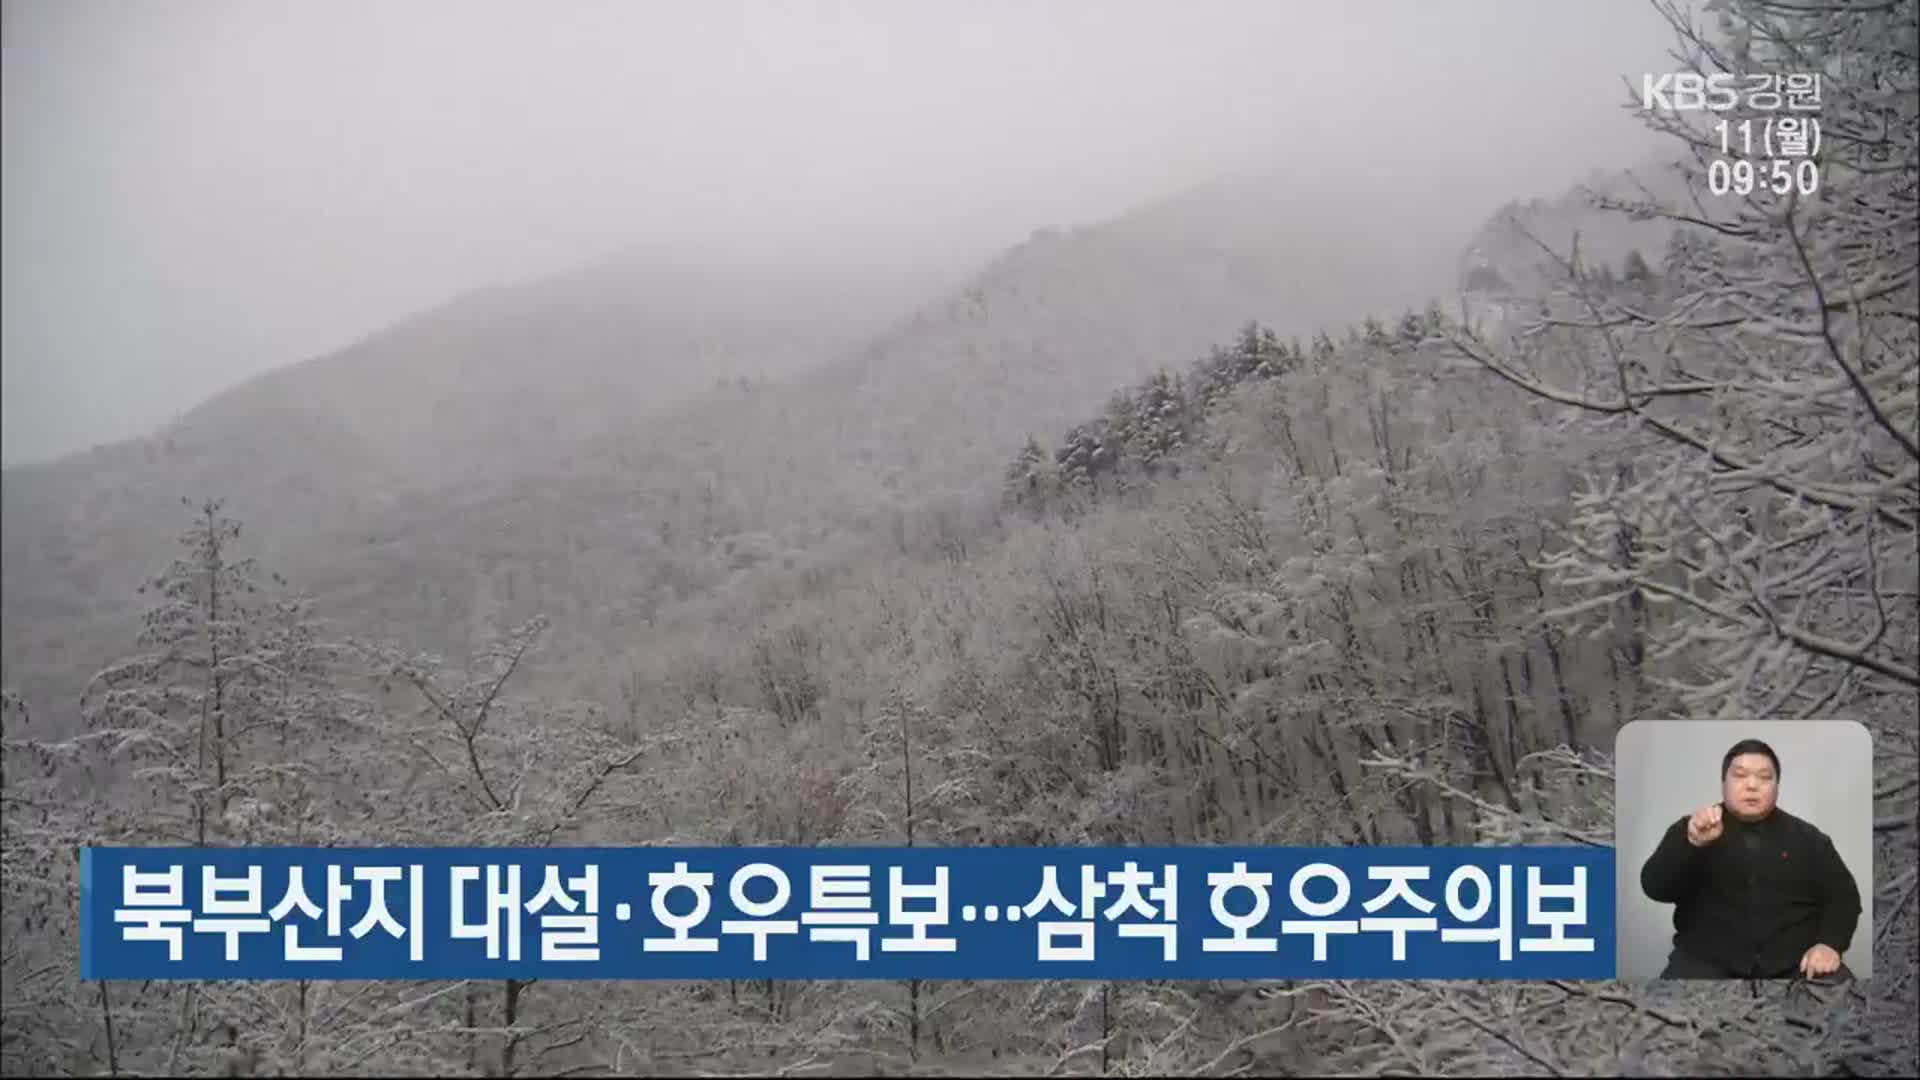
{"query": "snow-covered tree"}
[(1762, 537)]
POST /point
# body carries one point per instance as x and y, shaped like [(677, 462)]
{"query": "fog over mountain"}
[(985, 423), (196, 192), (602, 380)]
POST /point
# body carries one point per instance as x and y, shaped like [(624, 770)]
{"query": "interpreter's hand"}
[(1705, 826), (1819, 960)]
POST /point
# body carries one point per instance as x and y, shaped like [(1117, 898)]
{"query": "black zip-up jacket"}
[(1756, 899)]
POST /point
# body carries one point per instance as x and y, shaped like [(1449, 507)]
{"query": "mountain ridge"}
[(623, 517)]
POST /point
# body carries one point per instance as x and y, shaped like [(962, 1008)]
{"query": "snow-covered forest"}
[(1369, 578)]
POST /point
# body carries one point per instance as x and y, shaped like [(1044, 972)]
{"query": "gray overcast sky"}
[(197, 191)]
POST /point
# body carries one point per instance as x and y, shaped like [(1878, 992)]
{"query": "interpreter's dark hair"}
[(1749, 746)]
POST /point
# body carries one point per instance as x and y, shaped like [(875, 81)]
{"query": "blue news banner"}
[(847, 913)]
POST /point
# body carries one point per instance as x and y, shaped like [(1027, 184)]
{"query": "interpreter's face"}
[(1750, 787)]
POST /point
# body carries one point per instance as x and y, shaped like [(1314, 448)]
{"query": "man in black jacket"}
[(1757, 892)]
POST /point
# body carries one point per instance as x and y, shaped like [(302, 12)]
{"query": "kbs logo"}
[(1686, 91)]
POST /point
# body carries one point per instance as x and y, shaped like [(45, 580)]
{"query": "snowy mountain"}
[(535, 448), (1519, 252)]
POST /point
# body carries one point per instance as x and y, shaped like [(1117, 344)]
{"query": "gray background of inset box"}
[(1667, 769)]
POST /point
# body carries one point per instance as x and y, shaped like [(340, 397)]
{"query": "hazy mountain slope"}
[(333, 463), (1067, 319), (732, 502), (933, 406), (310, 453), (503, 373), (1513, 257)]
